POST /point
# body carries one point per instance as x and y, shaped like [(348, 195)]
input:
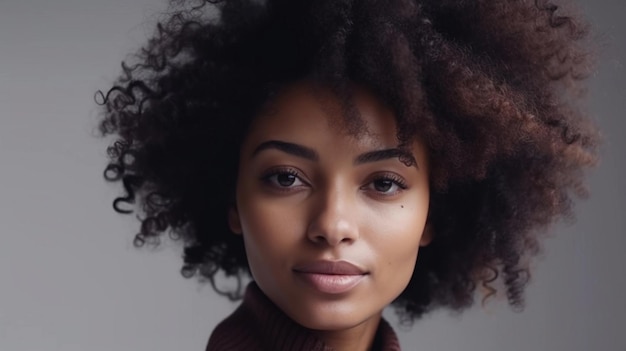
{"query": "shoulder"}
[(235, 333)]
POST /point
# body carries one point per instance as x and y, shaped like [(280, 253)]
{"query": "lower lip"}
[(331, 283)]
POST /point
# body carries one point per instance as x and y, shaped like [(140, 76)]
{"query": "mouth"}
[(331, 277)]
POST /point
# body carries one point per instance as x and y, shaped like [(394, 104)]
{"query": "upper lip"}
[(330, 267)]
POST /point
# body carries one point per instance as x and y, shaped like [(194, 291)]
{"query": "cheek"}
[(396, 239), (266, 216), (399, 247), (263, 240), (269, 228), (397, 258)]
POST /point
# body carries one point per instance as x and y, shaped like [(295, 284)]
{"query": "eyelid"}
[(266, 175), (397, 180), (282, 169)]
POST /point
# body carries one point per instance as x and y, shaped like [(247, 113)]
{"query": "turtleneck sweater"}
[(259, 325)]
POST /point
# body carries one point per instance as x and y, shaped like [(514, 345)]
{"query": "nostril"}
[(331, 240), (319, 239), (332, 225)]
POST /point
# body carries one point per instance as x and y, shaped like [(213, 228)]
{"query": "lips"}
[(330, 267), (330, 277)]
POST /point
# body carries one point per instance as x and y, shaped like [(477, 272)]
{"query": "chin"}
[(332, 317)]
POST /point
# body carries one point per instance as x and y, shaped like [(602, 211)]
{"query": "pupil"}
[(286, 179), (383, 185)]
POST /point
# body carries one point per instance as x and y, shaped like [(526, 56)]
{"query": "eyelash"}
[(393, 178), (268, 179)]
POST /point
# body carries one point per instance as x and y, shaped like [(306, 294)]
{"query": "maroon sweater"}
[(258, 325)]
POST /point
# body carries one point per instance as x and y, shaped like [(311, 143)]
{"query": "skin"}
[(293, 208)]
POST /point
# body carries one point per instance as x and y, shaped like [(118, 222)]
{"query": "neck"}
[(357, 338)]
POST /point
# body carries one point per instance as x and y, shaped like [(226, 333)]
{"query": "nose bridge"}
[(334, 219)]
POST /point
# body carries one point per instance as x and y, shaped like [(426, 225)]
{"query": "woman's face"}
[(332, 223)]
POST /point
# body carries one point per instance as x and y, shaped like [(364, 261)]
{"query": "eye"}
[(383, 185), (387, 184), (283, 178)]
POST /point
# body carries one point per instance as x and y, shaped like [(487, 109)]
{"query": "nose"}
[(333, 219)]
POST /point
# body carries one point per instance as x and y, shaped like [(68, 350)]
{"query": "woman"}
[(318, 146)]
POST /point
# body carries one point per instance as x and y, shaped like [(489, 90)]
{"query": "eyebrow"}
[(302, 151), (379, 155), (289, 148)]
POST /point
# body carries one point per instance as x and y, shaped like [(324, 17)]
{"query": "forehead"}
[(310, 113)]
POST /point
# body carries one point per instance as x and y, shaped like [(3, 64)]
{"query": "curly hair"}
[(491, 86)]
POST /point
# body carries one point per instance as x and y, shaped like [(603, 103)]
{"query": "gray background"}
[(71, 280)]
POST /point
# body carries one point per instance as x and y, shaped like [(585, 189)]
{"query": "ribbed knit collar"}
[(258, 325)]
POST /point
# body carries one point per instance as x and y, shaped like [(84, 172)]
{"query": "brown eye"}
[(383, 185), (285, 179), (386, 184)]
